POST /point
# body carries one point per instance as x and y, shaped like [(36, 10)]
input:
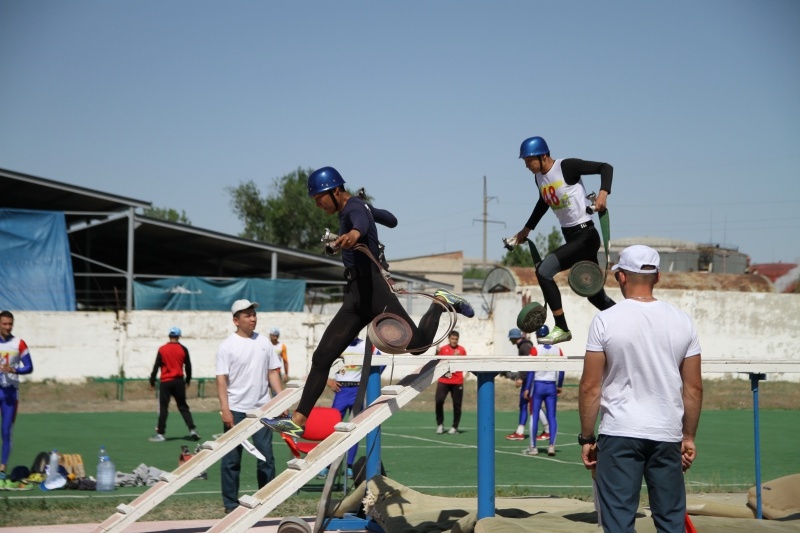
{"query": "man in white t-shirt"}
[(642, 372), (247, 367)]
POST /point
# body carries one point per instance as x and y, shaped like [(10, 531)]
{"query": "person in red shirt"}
[(171, 359), (452, 383)]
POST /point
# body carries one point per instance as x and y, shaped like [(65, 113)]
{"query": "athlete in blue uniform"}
[(544, 386), (15, 360)]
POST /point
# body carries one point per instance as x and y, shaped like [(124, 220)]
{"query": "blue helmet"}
[(542, 332), (514, 334), (324, 179), (532, 147)]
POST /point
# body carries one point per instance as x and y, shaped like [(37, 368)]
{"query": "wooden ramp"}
[(212, 452), (392, 399)]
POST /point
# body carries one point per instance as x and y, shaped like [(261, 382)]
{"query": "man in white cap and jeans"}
[(247, 367), (642, 372)]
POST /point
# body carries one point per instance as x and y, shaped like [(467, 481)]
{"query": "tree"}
[(285, 215), (520, 256), (548, 244), (168, 214)]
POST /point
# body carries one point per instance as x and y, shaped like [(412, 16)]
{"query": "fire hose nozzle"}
[(329, 238), (592, 208), (510, 242)]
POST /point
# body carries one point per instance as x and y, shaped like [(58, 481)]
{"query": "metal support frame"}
[(754, 379), (372, 465), (129, 276), (486, 465)]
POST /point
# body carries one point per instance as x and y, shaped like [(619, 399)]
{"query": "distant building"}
[(447, 268), (686, 256)]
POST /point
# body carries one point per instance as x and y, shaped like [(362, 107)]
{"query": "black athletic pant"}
[(456, 394), (581, 244), (365, 297), (175, 388)]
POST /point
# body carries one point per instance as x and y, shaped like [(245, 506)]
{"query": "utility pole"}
[(486, 220)]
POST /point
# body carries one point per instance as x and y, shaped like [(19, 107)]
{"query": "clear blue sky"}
[(695, 104)]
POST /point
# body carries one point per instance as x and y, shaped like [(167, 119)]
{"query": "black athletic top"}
[(573, 169), (357, 214)]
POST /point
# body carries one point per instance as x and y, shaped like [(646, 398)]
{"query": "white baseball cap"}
[(241, 305), (635, 258)]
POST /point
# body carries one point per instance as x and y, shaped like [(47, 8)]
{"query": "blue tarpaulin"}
[(35, 265), (200, 294)]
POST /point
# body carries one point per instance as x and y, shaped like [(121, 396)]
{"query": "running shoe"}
[(459, 304), (158, 437), (284, 425), (349, 472), (193, 435), (323, 473), (533, 450), (556, 336), (453, 431), (515, 436), (440, 429), (543, 436), (551, 451)]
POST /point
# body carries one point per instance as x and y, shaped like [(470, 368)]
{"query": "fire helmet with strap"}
[(532, 147), (324, 179)]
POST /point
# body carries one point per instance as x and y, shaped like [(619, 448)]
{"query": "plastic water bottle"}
[(54, 480), (106, 473), (52, 468)]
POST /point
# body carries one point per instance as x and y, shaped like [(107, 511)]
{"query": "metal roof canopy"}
[(110, 242)]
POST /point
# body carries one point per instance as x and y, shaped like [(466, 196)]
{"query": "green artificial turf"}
[(413, 454)]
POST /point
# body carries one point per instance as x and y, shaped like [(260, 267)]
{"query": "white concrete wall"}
[(72, 346)]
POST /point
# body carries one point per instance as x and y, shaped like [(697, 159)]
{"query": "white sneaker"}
[(453, 431), (440, 429), (551, 451), (533, 450), (158, 437)]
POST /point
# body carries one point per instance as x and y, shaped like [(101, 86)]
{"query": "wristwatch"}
[(591, 439)]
